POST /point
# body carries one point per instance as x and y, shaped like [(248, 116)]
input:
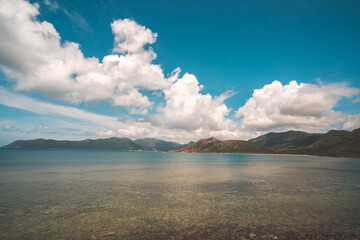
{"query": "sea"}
[(94, 194)]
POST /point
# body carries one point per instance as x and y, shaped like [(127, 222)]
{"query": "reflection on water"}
[(67, 194)]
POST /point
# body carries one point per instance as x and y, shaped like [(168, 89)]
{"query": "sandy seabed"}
[(227, 197)]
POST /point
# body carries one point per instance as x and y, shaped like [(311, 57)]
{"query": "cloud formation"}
[(352, 122), (33, 57), (97, 125), (20, 101), (131, 37), (186, 108), (294, 106)]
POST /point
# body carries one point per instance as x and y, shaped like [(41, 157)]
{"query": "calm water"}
[(80, 194)]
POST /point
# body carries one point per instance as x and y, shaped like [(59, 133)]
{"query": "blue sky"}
[(228, 49)]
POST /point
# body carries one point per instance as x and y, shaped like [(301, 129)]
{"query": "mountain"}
[(335, 143), (120, 144), (213, 145), (294, 139), (287, 140), (153, 144)]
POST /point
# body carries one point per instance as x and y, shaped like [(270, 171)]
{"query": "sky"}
[(177, 70)]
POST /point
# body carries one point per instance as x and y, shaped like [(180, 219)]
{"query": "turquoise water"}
[(82, 194)]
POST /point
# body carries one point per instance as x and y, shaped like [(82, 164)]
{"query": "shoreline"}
[(276, 154), (175, 151)]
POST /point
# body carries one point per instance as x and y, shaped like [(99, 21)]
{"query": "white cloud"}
[(33, 57), (352, 122), (19, 101), (131, 37), (194, 115), (186, 108), (106, 126), (302, 106)]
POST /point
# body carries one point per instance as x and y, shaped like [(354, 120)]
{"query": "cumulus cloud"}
[(294, 106), (186, 108), (190, 113), (131, 37), (33, 57)]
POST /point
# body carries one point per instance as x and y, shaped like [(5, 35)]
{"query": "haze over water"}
[(79, 194)]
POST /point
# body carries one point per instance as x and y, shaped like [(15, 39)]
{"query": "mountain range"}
[(114, 143), (335, 143)]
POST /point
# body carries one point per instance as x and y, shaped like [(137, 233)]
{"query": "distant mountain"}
[(287, 140), (120, 144), (335, 143), (153, 144), (213, 145)]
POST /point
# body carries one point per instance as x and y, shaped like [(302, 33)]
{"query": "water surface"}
[(82, 194)]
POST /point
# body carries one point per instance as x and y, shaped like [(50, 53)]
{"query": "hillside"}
[(213, 145), (119, 144), (335, 143), (287, 140)]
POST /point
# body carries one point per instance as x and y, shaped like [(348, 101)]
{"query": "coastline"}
[(275, 154), (174, 151)]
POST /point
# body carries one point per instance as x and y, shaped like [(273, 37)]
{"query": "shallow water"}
[(81, 194)]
